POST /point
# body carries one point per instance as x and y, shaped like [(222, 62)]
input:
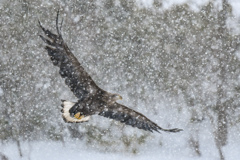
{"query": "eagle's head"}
[(115, 97), (112, 98)]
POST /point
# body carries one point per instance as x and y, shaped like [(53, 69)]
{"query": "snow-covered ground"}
[(51, 150), (68, 151)]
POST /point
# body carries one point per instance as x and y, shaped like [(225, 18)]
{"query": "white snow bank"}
[(70, 150)]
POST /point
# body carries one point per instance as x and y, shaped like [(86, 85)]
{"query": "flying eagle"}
[(91, 99)]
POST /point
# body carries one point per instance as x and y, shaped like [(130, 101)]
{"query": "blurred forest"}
[(178, 66)]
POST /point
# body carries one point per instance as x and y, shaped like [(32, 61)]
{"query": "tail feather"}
[(66, 106)]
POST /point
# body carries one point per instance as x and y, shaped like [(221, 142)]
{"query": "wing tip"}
[(40, 25), (174, 130)]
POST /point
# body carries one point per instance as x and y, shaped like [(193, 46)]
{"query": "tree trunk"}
[(19, 148)]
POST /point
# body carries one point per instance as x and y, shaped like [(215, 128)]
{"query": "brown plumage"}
[(91, 99)]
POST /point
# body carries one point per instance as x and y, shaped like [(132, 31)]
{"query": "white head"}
[(111, 98), (115, 97)]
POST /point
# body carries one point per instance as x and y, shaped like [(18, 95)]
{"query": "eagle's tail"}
[(68, 117)]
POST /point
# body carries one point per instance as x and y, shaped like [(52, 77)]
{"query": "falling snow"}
[(175, 61)]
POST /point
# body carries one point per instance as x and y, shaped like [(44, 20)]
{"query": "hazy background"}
[(177, 62)]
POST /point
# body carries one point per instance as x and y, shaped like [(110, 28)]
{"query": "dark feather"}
[(75, 76), (133, 118)]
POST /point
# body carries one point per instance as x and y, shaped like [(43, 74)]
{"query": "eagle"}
[(92, 100)]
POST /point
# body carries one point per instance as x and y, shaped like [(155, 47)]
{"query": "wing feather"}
[(133, 118), (77, 79)]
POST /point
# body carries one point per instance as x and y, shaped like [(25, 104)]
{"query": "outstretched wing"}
[(133, 118), (79, 81)]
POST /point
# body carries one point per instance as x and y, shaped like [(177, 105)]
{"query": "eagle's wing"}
[(79, 81), (128, 116)]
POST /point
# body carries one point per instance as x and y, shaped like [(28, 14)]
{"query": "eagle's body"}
[(92, 100)]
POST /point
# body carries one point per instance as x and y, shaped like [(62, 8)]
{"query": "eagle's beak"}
[(120, 97)]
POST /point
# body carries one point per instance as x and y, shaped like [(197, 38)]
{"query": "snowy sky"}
[(195, 4)]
